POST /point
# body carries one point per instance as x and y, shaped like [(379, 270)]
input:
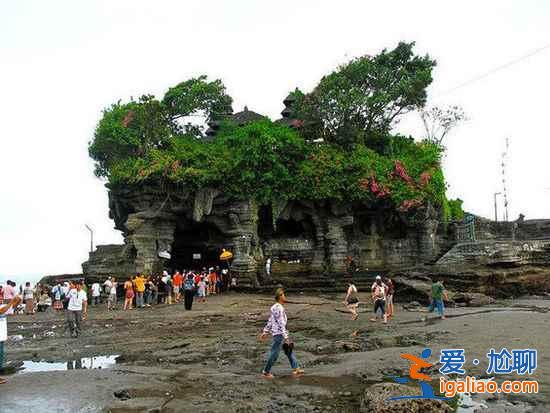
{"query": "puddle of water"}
[(97, 362), (321, 381)]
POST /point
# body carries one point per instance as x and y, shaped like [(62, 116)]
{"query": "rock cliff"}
[(172, 228), (311, 244)]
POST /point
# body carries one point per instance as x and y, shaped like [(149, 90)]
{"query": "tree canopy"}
[(340, 146), (132, 129), (363, 98), (196, 97)]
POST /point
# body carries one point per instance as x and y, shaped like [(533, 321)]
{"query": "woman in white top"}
[(352, 301)]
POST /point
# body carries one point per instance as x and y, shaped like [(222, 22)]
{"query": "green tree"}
[(261, 159), (366, 96), (196, 97), (129, 130)]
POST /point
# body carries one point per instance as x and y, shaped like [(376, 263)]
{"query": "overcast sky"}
[(62, 62)]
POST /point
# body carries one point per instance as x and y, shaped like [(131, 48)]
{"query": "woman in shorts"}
[(351, 301), (128, 294)]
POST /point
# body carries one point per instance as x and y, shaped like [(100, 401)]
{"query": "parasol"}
[(226, 255)]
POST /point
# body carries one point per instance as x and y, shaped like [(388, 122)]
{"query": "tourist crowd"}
[(142, 291)]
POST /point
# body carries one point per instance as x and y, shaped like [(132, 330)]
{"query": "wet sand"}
[(209, 359)]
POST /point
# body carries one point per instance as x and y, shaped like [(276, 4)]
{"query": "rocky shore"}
[(209, 359)]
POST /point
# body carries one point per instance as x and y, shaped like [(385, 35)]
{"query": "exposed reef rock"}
[(375, 400)]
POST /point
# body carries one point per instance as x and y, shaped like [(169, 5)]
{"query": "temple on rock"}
[(325, 191)]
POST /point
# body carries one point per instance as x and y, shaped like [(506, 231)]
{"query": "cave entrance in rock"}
[(283, 228), (196, 245), (290, 228)]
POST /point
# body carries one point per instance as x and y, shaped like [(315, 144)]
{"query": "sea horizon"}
[(20, 279)]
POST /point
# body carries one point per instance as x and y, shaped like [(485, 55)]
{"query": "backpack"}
[(61, 293), (189, 284), (65, 299)]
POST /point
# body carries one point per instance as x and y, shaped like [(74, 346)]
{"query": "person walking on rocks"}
[(379, 290), (389, 297), (96, 293), (4, 308), (128, 294), (352, 301), (438, 293), (76, 309), (276, 325)]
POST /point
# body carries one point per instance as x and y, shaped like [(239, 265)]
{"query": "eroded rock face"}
[(498, 253), (472, 299), (310, 243), (471, 286), (300, 237)]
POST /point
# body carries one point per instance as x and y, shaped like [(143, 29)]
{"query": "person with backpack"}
[(189, 291), (276, 325), (58, 296)]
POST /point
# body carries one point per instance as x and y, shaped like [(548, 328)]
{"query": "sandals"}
[(3, 381), (298, 372), (267, 375)]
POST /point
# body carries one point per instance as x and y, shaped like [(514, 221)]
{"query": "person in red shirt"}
[(177, 281)]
